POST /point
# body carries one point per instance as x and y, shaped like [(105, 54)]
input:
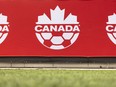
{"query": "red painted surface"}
[(92, 16)]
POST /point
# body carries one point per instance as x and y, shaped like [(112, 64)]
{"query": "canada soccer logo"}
[(3, 28), (58, 32), (111, 28)]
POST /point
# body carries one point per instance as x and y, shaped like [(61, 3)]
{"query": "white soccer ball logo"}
[(111, 28), (57, 33), (3, 28)]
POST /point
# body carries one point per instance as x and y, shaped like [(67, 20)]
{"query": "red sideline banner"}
[(58, 28)]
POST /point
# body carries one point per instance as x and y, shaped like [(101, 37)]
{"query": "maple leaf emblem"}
[(57, 17)]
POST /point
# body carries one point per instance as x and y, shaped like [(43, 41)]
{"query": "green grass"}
[(57, 78)]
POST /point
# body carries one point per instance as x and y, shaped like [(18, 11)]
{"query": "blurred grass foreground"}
[(57, 78)]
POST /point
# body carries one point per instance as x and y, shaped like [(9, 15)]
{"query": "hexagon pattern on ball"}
[(46, 36), (67, 36), (56, 40)]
